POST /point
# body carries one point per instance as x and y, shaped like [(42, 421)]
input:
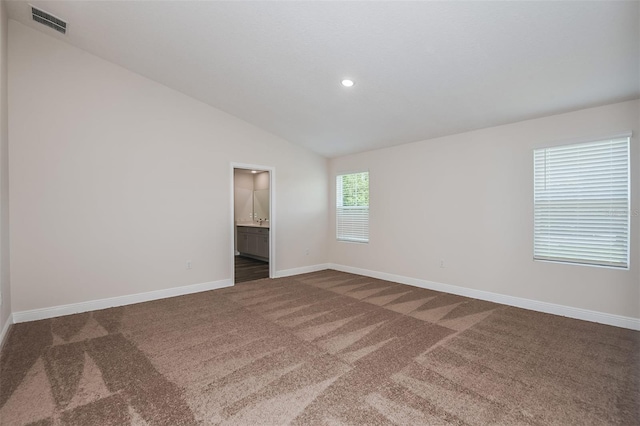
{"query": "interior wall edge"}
[(5, 330)]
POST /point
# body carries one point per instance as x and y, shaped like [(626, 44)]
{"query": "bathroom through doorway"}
[(253, 222)]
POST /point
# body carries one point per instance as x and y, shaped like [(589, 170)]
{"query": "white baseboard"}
[(93, 305), (301, 270), (5, 330), (533, 305)]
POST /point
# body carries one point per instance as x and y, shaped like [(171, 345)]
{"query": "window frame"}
[(342, 238), (585, 261)]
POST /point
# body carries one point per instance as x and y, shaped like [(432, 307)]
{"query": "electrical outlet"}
[(188, 264), (306, 252), (442, 263)]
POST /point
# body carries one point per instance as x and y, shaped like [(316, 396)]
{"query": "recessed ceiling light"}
[(347, 83), (254, 171)]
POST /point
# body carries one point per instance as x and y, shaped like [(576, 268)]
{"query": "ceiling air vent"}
[(49, 20)]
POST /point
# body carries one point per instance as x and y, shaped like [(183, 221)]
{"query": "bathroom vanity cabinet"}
[(253, 241)]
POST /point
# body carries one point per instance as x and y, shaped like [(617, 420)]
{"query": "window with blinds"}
[(352, 207), (581, 203)]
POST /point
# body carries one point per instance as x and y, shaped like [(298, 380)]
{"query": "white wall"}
[(116, 181), (467, 199), (5, 290)]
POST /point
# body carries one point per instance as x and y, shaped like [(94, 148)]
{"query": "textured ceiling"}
[(422, 69)]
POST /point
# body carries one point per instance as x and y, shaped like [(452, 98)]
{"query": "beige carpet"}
[(322, 348)]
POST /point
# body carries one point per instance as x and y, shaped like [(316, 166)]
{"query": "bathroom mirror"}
[(261, 204)]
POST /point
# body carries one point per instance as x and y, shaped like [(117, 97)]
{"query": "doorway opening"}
[(253, 222)]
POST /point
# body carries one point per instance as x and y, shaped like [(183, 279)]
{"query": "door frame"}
[(272, 215)]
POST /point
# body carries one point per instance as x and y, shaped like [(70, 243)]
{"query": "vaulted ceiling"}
[(421, 69)]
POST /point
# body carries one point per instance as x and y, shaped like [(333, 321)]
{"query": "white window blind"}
[(581, 203), (352, 207)]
